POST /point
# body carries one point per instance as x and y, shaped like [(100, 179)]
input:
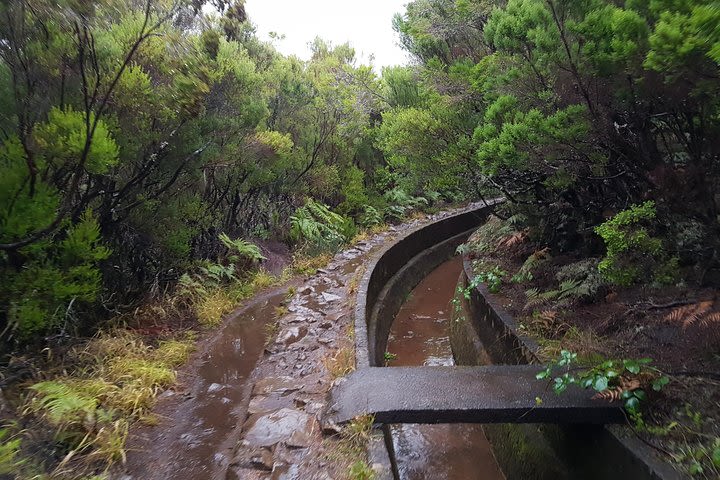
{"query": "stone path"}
[(282, 438)]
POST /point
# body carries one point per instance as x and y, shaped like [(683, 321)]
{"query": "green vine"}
[(611, 379)]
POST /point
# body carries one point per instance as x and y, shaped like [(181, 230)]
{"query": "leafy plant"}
[(242, 249), (370, 217), (10, 462), (490, 276), (631, 250), (361, 471), (389, 357), (611, 379), (533, 262), (319, 227)]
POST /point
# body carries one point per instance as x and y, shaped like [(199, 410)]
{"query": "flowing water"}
[(419, 336)]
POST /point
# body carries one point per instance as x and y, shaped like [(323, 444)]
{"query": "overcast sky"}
[(366, 24)]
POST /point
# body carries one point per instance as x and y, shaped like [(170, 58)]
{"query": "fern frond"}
[(513, 240), (689, 315), (709, 319)]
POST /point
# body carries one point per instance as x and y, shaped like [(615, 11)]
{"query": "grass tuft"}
[(211, 309), (115, 384), (341, 363)]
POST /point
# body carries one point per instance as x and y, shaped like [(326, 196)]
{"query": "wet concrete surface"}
[(419, 336)]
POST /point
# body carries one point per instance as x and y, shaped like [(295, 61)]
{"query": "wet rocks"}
[(269, 385), (330, 297), (280, 426), (292, 334)]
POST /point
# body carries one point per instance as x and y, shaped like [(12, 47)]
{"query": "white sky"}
[(366, 24)]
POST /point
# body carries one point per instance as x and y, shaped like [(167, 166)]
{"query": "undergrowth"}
[(114, 383)]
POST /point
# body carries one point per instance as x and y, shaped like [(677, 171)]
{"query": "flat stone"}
[(215, 387), (279, 426), (264, 460), (285, 472), (490, 394), (270, 385), (262, 404), (299, 439), (292, 334), (330, 297)]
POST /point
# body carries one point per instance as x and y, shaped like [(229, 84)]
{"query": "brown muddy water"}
[(419, 336)]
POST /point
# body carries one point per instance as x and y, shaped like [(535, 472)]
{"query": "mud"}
[(195, 422), (419, 336)]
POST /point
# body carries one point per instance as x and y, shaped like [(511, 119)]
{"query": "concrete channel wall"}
[(397, 269), (387, 281), (484, 332)]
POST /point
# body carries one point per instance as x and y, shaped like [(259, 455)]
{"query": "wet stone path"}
[(249, 409)]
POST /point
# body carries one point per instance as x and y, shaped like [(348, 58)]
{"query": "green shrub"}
[(400, 203), (242, 249), (10, 462), (632, 253), (353, 190), (319, 228), (586, 276), (58, 275), (491, 276), (370, 217), (531, 265)]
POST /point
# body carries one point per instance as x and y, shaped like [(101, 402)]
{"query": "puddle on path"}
[(198, 430), (186, 443), (419, 336)]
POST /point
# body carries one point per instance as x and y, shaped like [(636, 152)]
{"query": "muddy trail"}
[(246, 408), (420, 336)]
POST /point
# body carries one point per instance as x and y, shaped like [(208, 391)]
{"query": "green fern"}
[(533, 262), (9, 451), (319, 227), (370, 217), (242, 249), (63, 405)]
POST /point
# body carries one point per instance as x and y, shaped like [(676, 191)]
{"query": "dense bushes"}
[(132, 137), (574, 111)]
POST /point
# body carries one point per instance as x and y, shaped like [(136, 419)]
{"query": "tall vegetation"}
[(574, 111), (140, 137)]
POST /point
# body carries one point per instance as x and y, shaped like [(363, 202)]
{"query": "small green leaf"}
[(632, 366), (632, 404), (659, 383), (716, 456), (695, 468), (600, 384)]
